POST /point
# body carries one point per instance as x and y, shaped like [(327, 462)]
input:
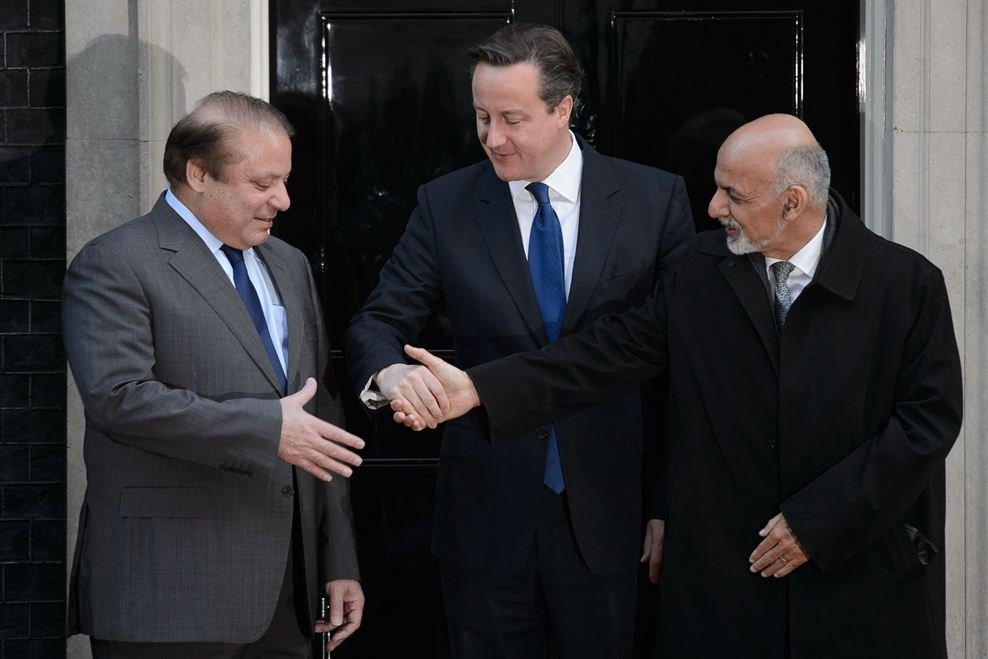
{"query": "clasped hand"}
[(425, 396), (779, 553)]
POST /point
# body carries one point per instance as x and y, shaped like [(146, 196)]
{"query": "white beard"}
[(741, 244)]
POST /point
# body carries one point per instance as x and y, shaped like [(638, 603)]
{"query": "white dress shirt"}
[(805, 261), (274, 311), (564, 195)]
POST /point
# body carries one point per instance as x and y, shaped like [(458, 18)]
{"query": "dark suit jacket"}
[(462, 251), (186, 523), (843, 423)]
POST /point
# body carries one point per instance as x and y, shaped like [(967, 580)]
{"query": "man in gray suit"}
[(211, 524)]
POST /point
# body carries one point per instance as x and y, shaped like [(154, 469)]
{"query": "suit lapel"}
[(750, 291), (495, 215), (600, 209), (192, 260)]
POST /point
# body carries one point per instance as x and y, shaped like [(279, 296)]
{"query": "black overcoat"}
[(843, 423)]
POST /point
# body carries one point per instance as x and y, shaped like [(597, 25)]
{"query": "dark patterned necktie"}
[(783, 296), (545, 262), (248, 295)]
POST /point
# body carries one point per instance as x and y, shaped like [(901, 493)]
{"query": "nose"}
[(492, 136), (718, 205), (280, 199)]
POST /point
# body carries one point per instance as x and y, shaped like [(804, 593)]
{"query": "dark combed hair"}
[(559, 71), (204, 134)]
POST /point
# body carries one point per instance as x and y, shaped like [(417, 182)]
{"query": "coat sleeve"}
[(407, 294), (618, 351), (677, 234), (110, 344), (861, 497), (337, 546)]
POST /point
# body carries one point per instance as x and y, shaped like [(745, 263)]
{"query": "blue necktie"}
[(545, 261), (249, 296)]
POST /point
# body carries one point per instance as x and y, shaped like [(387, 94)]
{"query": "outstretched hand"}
[(312, 444), (461, 396)]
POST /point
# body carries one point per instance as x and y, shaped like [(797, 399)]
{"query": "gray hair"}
[(806, 166)]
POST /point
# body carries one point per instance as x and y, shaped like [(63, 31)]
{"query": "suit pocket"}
[(179, 502)]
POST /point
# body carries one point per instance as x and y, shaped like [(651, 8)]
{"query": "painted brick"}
[(14, 316), (47, 242), (14, 242), (14, 15), (34, 583), (34, 502), (14, 391), (46, 88), (48, 391), (48, 620), (15, 463), (46, 317), (14, 541), (14, 620), (48, 463), (33, 427), (47, 541), (38, 280), (33, 353), (35, 205), (35, 126), (46, 15), (13, 89), (41, 49)]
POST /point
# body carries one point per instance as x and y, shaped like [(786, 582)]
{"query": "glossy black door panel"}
[(379, 92)]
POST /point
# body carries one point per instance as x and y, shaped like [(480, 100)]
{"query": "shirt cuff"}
[(372, 398)]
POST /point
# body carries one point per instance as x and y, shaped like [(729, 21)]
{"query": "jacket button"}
[(288, 491), (771, 441), (542, 433)]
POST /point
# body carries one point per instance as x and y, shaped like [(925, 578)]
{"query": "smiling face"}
[(523, 138), (747, 205), (240, 206)]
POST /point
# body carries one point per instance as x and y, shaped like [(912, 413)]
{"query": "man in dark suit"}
[(211, 524), (815, 392), (538, 535)]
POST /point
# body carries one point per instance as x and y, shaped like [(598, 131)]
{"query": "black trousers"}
[(555, 607)]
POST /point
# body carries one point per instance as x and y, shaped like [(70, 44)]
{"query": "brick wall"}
[(32, 364)]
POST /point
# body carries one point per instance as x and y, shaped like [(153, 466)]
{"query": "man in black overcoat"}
[(815, 391)]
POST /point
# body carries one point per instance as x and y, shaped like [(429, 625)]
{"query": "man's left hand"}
[(346, 608), (779, 553)]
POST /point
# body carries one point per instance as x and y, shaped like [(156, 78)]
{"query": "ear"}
[(563, 110), (195, 174), (795, 201)]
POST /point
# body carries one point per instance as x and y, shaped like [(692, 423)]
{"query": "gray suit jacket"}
[(186, 524)]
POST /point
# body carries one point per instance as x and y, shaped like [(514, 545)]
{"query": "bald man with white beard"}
[(815, 391)]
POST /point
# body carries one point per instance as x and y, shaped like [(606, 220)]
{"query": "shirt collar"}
[(807, 258), (565, 179), (212, 242)]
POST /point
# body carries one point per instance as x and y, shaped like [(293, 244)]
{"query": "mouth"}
[(731, 227)]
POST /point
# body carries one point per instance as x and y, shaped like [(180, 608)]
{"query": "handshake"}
[(425, 395)]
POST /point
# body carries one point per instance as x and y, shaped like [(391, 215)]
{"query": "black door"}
[(379, 92)]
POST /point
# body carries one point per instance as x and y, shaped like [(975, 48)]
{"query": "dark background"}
[(32, 364), (665, 83), (379, 91)]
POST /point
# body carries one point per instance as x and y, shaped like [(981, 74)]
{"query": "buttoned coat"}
[(842, 422), (462, 253), (186, 524)]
